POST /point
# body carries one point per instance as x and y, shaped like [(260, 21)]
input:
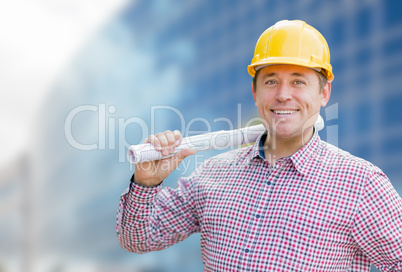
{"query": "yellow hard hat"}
[(292, 42)]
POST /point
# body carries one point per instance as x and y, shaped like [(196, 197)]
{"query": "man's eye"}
[(270, 82), (298, 82)]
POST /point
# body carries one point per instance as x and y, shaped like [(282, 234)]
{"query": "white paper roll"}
[(214, 140)]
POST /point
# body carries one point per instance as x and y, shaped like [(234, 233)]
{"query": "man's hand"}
[(152, 173)]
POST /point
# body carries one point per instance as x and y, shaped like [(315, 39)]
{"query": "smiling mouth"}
[(284, 112)]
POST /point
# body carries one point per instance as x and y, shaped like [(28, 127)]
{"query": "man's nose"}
[(284, 93)]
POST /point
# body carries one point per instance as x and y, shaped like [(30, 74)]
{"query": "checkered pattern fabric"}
[(320, 209)]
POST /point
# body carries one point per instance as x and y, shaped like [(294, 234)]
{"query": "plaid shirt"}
[(320, 209)]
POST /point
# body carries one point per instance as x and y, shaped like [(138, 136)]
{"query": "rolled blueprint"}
[(214, 140)]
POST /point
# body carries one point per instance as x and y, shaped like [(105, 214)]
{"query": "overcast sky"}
[(37, 40)]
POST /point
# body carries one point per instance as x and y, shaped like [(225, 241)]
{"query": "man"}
[(290, 202)]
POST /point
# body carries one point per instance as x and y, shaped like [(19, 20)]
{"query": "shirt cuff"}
[(142, 194)]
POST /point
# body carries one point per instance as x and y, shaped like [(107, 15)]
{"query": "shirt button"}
[(268, 183), (257, 216), (247, 250)]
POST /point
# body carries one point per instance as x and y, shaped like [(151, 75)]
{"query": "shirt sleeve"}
[(378, 225), (152, 218)]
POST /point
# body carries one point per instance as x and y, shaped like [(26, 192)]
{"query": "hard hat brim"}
[(284, 60)]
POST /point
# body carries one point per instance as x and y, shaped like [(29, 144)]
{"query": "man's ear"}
[(325, 94)]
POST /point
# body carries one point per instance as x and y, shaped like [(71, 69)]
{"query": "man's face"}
[(288, 99)]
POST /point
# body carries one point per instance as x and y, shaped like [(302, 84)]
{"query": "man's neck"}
[(276, 147)]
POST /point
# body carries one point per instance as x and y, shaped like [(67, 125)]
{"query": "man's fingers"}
[(165, 142), (181, 155), (187, 152), (171, 140), (152, 139), (177, 137)]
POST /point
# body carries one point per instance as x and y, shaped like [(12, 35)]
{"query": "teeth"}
[(284, 111)]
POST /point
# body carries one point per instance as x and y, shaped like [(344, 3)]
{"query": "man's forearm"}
[(133, 218)]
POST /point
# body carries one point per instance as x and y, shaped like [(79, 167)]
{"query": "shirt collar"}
[(306, 153), (258, 148), (299, 159)]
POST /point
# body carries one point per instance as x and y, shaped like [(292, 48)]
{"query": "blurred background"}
[(81, 80)]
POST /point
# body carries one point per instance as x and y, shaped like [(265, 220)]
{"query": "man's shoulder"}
[(336, 157)]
